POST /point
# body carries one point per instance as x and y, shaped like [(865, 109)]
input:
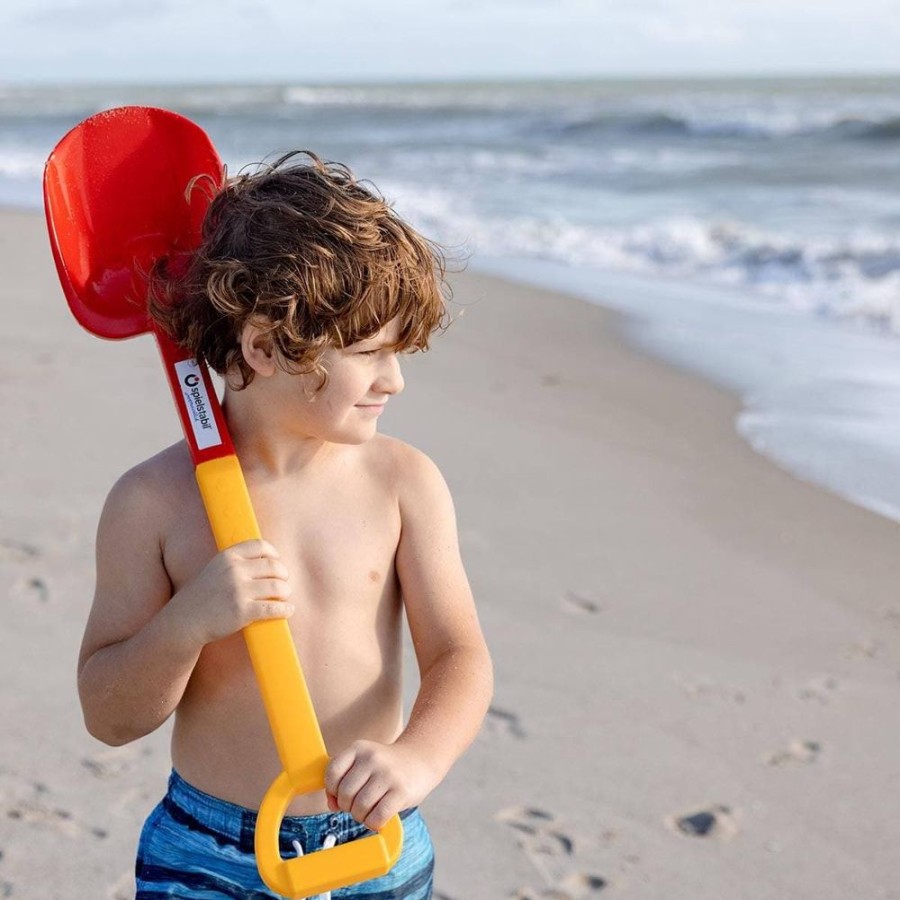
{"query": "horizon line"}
[(423, 81)]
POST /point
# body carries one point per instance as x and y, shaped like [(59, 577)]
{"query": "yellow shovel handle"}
[(292, 718), (324, 870)]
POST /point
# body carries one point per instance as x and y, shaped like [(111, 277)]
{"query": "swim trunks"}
[(198, 847)]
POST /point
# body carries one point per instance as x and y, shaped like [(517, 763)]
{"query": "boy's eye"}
[(392, 350)]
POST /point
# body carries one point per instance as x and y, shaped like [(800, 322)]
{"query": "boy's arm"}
[(135, 661), (373, 781), (141, 643), (454, 664)]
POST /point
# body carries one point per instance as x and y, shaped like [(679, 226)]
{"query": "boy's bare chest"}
[(337, 540)]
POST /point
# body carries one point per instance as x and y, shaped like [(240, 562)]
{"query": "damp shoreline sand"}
[(696, 655)]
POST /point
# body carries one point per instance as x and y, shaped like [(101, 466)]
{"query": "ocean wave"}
[(856, 275), (555, 111), (749, 124), (866, 129)]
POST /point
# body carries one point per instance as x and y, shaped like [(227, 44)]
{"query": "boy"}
[(303, 292)]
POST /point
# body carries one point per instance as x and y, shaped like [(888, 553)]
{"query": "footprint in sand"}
[(708, 687), (549, 848), (33, 812), (31, 804), (862, 649), (821, 688), (797, 751), (15, 551), (503, 722), (572, 887), (714, 821), (114, 762), (30, 590), (525, 818), (579, 604)]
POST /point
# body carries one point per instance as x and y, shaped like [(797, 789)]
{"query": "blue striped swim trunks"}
[(197, 847)]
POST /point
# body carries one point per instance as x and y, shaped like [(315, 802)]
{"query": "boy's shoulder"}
[(149, 491), (169, 472), (419, 485), (166, 472), (406, 465), (161, 482)]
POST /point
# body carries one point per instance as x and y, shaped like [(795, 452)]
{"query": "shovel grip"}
[(323, 870)]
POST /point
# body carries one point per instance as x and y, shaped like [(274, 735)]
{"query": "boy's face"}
[(361, 379)]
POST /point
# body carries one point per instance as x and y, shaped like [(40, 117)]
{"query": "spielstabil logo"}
[(196, 401)]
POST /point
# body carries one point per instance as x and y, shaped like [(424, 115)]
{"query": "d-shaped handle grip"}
[(322, 870)]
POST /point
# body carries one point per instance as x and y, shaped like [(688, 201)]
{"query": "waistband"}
[(231, 824)]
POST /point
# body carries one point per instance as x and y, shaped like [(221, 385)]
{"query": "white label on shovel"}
[(196, 400)]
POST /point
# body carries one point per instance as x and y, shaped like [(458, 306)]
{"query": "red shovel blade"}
[(115, 198)]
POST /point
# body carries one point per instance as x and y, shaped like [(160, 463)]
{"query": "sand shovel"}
[(115, 199)]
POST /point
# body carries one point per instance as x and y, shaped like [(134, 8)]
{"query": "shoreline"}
[(682, 632), (831, 405)]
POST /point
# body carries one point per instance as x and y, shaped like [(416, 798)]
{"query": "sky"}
[(322, 41)]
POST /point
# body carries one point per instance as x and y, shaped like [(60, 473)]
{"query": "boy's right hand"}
[(244, 583)]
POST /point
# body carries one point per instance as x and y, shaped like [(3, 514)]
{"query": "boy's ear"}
[(258, 347)]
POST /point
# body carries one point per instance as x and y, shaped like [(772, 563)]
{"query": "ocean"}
[(748, 227)]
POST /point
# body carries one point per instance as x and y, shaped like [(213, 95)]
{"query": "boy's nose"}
[(390, 378)]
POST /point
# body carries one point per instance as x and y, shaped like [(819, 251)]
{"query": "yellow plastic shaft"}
[(285, 695)]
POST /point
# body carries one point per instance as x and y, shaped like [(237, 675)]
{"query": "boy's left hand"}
[(374, 781)]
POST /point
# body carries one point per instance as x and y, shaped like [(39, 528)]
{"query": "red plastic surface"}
[(114, 192), (116, 199)]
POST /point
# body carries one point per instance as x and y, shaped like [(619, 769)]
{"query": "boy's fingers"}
[(272, 609), (351, 785), (265, 567), (255, 548), (367, 798), (336, 770), (274, 588), (351, 795), (386, 807)]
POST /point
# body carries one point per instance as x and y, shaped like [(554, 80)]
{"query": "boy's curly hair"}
[(320, 258)]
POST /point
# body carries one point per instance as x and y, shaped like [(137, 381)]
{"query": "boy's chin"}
[(355, 435)]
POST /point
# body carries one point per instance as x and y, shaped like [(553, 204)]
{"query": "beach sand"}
[(696, 655)]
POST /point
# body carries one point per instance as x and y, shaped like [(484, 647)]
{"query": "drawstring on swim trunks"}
[(327, 844)]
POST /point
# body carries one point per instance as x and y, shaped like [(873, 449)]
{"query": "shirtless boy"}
[(306, 289)]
